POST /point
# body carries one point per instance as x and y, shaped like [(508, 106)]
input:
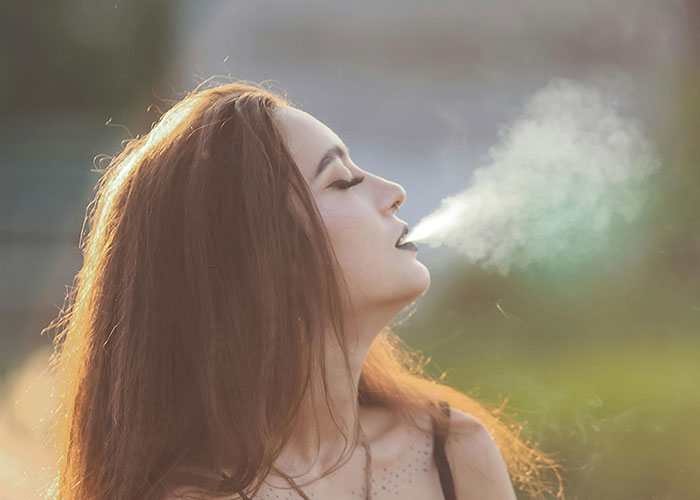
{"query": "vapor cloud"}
[(553, 186)]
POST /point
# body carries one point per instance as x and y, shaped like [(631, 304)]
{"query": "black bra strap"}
[(440, 432)]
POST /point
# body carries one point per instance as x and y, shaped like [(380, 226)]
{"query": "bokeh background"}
[(601, 363)]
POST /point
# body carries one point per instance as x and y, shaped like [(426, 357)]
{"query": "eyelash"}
[(343, 184)]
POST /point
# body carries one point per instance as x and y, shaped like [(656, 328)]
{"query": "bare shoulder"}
[(478, 467)]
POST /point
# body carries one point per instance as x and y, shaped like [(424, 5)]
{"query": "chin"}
[(416, 284), (422, 280)]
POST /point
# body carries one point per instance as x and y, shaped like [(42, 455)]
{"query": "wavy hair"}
[(195, 325)]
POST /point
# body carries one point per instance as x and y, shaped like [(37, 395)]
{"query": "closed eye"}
[(343, 184)]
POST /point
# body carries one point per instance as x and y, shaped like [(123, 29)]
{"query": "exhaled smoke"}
[(558, 179)]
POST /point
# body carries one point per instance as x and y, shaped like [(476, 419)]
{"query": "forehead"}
[(307, 138)]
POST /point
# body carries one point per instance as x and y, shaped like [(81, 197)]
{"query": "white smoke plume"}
[(561, 175)]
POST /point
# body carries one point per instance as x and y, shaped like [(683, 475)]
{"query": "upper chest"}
[(402, 467)]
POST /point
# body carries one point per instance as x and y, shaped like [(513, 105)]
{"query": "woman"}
[(228, 335)]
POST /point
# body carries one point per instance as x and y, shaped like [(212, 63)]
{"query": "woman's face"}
[(360, 219)]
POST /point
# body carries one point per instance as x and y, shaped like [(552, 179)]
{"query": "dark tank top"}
[(439, 435)]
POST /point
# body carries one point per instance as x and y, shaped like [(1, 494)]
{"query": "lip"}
[(403, 233), (409, 245)]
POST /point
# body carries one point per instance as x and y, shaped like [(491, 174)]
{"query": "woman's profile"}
[(229, 334)]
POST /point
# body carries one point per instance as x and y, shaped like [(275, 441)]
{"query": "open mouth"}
[(407, 245)]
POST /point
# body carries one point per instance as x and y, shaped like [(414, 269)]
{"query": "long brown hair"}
[(194, 327)]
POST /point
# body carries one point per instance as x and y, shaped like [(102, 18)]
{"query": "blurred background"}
[(600, 363)]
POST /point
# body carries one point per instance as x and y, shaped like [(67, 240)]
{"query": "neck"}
[(317, 443)]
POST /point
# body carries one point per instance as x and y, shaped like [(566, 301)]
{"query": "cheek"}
[(354, 239)]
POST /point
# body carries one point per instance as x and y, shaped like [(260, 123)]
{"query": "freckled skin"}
[(406, 471)]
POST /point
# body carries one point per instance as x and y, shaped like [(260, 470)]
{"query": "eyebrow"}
[(337, 151)]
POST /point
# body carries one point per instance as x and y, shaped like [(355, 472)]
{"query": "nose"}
[(397, 195)]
